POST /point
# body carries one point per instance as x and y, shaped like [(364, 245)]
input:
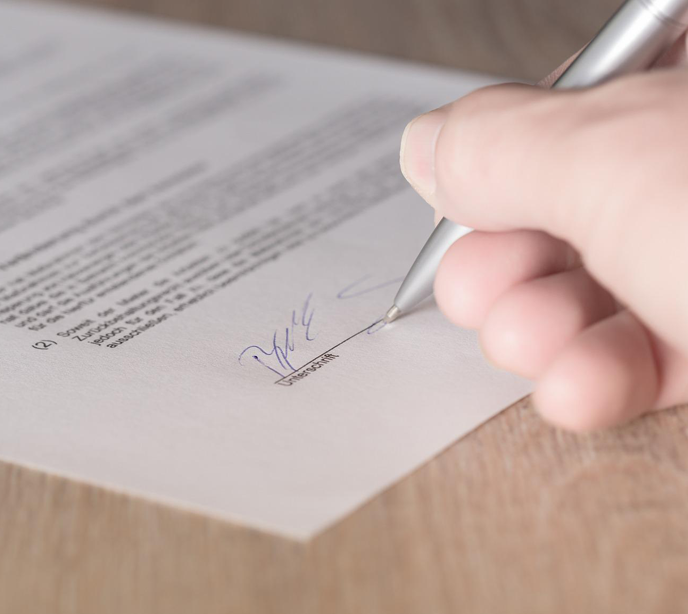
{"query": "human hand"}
[(577, 274)]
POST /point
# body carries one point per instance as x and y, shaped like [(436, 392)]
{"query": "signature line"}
[(360, 332)]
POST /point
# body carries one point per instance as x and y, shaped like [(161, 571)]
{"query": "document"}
[(199, 234)]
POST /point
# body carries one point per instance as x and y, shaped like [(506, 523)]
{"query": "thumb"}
[(486, 160)]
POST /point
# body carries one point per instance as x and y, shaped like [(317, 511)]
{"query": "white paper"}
[(175, 203)]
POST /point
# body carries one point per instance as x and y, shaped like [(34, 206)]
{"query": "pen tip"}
[(392, 314)]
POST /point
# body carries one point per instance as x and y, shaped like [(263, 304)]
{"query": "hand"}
[(577, 274)]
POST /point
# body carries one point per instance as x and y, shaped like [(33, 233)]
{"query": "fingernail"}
[(417, 156)]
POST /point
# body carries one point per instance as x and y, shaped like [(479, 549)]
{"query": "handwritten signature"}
[(376, 327), (360, 287), (276, 357)]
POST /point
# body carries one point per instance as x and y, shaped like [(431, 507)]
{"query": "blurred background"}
[(523, 39)]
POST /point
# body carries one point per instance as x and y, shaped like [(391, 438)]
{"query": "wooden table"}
[(517, 517)]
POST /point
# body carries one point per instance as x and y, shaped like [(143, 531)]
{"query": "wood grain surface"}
[(515, 518), (515, 38)]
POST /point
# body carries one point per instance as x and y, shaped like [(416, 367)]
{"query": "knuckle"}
[(465, 140), (450, 158)]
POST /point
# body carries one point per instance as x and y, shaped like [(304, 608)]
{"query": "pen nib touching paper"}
[(392, 315)]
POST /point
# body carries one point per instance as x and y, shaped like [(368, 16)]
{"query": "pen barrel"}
[(631, 41), (418, 287)]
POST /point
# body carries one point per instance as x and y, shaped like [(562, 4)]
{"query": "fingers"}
[(672, 370), (417, 152), (595, 369), (606, 377), (545, 320), (610, 374), (466, 158), (437, 148), (481, 267), (601, 169), (531, 324)]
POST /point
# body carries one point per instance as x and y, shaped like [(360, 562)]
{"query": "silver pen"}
[(632, 40)]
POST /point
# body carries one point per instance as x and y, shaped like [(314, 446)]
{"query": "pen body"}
[(632, 40)]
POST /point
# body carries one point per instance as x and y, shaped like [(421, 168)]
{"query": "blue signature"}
[(355, 290), (276, 358), (360, 288), (377, 327)]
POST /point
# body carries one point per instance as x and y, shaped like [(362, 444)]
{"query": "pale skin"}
[(577, 274)]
